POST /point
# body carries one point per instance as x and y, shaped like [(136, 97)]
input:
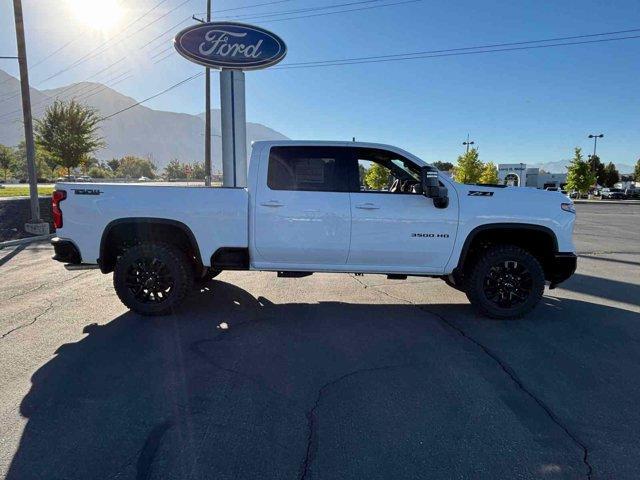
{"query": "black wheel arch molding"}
[(106, 266), (558, 266), (473, 234)]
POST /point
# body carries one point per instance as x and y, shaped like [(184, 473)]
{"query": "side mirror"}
[(431, 187)]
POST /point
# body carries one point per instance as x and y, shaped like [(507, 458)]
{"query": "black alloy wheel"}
[(505, 282), (508, 284), (149, 280), (153, 278)]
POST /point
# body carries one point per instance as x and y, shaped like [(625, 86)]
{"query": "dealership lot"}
[(329, 376)]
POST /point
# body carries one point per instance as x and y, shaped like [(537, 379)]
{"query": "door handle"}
[(367, 206), (272, 203)]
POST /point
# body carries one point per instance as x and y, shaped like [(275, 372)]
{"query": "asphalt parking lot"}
[(324, 377)]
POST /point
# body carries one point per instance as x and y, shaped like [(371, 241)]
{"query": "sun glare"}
[(98, 14)]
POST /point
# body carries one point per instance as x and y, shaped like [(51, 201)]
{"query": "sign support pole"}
[(207, 117), (234, 128), (35, 225)]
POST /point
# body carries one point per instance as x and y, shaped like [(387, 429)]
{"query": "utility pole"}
[(35, 225), (207, 117), (595, 141), (207, 111), (467, 143)]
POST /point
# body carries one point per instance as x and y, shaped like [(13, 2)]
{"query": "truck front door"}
[(301, 210), (394, 228)]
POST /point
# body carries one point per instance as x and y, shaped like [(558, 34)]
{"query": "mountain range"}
[(140, 131), (561, 166), (143, 131)]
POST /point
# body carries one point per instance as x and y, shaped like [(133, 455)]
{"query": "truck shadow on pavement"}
[(234, 386)]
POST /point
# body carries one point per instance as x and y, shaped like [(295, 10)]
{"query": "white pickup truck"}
[(321, 207)]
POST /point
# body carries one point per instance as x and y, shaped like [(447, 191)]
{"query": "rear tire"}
[(152, 278), (505, 282)]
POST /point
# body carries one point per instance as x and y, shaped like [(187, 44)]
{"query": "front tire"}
[(505, 282), (152, 278)]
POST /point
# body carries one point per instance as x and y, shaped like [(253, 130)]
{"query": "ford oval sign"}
[(230, 45)]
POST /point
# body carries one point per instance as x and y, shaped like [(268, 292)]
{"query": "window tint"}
[(318, 169)]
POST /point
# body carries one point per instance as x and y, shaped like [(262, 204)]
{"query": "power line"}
[(302, 10), (478, 47), (88, 54), (371, 7), (246, 6), (401, 57), (175, 85), (96, 51)]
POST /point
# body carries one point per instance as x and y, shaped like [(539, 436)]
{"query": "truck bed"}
[(217, 217)]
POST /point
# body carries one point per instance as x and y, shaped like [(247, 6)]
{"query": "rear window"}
[(316, 169)]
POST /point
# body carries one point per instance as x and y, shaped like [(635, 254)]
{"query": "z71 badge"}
[(86, 191), (480, 193)]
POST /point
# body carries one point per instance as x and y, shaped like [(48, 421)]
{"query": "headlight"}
[(568, 207)]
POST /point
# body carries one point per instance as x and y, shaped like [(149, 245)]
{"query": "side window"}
[(382, 171), (374, 177), (316, 169)]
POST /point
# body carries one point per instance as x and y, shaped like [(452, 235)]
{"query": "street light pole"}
[(595, 141), (207, 117), (467, 143), (35, 225)]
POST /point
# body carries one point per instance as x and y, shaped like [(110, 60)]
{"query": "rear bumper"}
[(563, 266), (65, 251)]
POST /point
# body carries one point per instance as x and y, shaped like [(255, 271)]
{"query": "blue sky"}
[(528, 106)]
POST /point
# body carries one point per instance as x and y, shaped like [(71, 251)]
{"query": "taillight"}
[(56, 198)]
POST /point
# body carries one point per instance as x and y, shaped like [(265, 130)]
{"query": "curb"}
[(25, 241), (610, 202)]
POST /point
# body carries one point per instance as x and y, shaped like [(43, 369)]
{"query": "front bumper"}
[(65, 251), (563, 266)]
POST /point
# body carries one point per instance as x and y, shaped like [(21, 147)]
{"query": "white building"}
[(518, 175), (513, 174)]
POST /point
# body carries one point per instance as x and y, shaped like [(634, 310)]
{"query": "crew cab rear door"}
[(393, 229), (301, 211)]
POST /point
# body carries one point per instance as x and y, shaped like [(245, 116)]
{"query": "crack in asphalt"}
[(34, 320), (46, 284), (312, 437), (507, 370), (150, 448)]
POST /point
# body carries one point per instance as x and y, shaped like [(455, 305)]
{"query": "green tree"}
[(136, 167), (20, 161), (489, 174), (197, 171), (100, 171), (174, 170), (597, 167), (636, 172), (469, 167), (6, 160), (377, 177), (579, 175), (611, 175), (443, 166), (113, 164), (69, 131)]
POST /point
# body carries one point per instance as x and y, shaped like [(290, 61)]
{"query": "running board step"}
[(396, 276), (294, 274)]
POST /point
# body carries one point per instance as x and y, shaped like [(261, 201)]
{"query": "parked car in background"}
[(632, 193), (612, 194), (143, 179), (84, 178), (66, 178)]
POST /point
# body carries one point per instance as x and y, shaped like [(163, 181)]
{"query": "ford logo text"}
[(230, 45)]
